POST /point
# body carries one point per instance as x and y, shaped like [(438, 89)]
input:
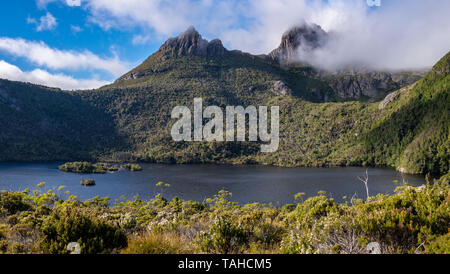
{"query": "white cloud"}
[(42, 77), (396, 35), (140, 39), (76, 29), (41, 54), (73, 3), (42, 4), (166, 17), (46, 22)]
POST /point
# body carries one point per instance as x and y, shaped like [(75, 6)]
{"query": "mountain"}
[(189, 57), (129, 120), (349, 83), (306, 37)]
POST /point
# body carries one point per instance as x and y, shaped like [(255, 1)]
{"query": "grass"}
[(159, 243)]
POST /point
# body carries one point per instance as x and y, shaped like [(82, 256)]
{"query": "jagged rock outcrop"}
[(305, 37), (191, 43), (188, 43)]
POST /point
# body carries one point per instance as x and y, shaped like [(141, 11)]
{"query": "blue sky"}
[(87, 43)]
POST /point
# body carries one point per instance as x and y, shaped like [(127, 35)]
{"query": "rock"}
[(74, 248), (356, 84), (191, 43), (306, 37), (373, 248), (215, 48), (280, 88), (393, 96)]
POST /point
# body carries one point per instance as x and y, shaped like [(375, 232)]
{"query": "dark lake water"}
[(197, 182)]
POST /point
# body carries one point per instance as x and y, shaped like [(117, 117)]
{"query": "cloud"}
[(42, 77), (42, 4), (73, 3), (396, 35), (140, 39), (46, 22), (41, 54), (76, 29)]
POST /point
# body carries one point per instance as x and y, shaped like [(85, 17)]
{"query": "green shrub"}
[(132, 167), (69, 224), (13, 202), (441, 245), (224, 237)]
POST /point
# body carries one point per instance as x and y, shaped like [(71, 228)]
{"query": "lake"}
[(248, 184)]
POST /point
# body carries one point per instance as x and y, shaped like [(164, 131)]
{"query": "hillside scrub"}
[(413, 220)]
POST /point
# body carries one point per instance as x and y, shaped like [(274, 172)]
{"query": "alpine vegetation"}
[(236, 117)]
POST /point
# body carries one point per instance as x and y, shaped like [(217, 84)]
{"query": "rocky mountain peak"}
[(191, 43), (306, 37)]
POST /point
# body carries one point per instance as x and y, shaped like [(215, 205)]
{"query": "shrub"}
[(69, 224), (132, 167), (13, 202), (224, 237), (441, 245)]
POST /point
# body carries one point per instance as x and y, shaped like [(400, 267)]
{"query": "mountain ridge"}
[(348, 84)]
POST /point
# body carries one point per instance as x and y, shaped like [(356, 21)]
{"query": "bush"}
[(224, 237), (13, 202), (69, 224), (132, 167)]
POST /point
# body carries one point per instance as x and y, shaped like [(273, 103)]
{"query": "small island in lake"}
[(97, 168), (88, 182)]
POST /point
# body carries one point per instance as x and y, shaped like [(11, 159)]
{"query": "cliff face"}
[(372, 84), (305, 37)]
